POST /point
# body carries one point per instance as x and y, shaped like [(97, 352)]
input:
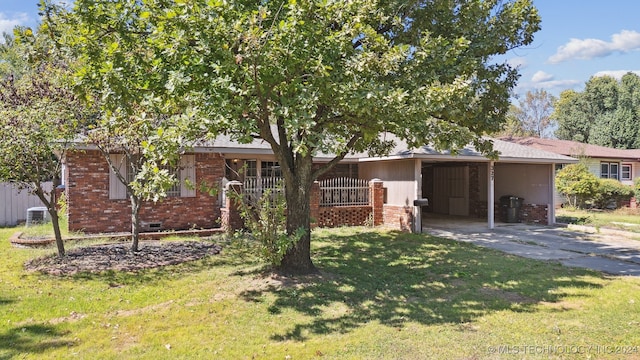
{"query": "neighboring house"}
[(603, 162), (462, 184)]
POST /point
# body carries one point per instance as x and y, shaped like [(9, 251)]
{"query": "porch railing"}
[(254, 187), (344, 192)]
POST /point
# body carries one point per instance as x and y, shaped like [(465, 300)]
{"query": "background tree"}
[(605, 113), (512, 126), (39, 117), (535, 113), (322, 76)]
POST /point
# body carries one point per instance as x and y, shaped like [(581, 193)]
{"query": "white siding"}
[(398, 177), (14, 203)]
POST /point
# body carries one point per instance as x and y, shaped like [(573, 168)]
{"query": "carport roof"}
[(508, 152)]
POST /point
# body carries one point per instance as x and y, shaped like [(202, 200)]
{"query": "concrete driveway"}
[(609, 251)]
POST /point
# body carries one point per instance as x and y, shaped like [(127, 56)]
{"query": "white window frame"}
[(626, 174), (608, 173)]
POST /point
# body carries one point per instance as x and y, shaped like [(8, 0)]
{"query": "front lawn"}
[(623, 219), (379, 294)]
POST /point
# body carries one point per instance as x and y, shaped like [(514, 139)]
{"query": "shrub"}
[(611, 194), (577, 184), (266, 221)]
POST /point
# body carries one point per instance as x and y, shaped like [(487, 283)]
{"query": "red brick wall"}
[(534, 214), (91, 210), (398, 217), (343, 215)]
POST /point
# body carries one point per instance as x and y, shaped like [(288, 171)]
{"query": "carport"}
[(466, 183)]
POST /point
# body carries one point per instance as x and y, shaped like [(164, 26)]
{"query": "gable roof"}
[(575, 148)]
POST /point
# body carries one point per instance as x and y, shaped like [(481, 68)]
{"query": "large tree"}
[(606, 113), (39, 117), (327, 76)]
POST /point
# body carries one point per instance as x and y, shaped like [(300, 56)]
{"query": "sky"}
[(579, 39)]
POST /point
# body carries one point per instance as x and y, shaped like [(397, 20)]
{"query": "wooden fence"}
[(14, 204)]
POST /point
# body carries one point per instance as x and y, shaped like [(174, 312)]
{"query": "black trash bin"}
[(511, 207)]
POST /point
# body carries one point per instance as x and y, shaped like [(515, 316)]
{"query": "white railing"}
[(254, 187), (344, 192)]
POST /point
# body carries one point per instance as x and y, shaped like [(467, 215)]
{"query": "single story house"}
[(465, 184), (604, 162)]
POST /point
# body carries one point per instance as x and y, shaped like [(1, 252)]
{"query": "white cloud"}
[(518, 62), (541, 76), (585, 49), (617, 74), (7, 23)]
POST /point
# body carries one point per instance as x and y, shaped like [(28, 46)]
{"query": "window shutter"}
[(187, 175), (117, 190)]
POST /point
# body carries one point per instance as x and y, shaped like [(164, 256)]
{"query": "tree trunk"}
[(298, 196), (55, 221), (135, 222), (51, 203)]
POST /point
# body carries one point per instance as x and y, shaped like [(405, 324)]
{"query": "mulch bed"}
[(119, 257)]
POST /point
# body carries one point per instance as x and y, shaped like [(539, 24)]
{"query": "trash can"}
[(511, 208)]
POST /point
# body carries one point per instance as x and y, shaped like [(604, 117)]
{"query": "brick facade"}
[(398, 217), (534, 214), (91, 210)]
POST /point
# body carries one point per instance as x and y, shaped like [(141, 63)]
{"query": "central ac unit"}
[(37, 215)]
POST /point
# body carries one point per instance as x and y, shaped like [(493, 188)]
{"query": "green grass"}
[(624, 219), (379, 295)]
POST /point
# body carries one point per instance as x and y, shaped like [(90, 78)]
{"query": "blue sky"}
[(579, 39)]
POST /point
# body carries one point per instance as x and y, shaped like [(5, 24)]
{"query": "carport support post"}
[(491, 195)]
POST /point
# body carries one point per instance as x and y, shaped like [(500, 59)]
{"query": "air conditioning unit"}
[(37, 215)]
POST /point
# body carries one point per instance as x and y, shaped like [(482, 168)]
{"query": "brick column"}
[(315, 204), (231, 219), (376, 198)]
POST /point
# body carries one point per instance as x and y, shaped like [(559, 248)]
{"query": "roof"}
[(575, 148), (508, 151)]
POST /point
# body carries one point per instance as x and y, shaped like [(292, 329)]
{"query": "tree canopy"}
[(313, 76), (606, 113)]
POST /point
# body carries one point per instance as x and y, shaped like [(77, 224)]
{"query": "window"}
[(173, 191), (625, 172), (185, 172), (609, 170)]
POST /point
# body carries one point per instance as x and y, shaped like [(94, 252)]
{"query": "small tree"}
[(39, 116), (577, 184), (139, 115)]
